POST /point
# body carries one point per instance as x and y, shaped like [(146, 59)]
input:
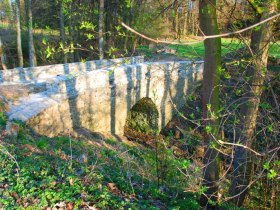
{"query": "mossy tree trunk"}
[(32, 54), (62, 30), (255, 73), (18, 30), (101, 29), (211, 82), (2, 56)]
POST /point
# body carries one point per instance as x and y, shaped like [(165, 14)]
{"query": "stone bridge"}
[(96, 95)]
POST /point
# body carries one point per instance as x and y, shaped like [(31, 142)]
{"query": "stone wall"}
[(100, 100)]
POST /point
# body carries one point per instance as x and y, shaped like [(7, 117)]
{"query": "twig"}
[(71, 154), (239, 145), (156, 40), (6, 152), (251, 183)]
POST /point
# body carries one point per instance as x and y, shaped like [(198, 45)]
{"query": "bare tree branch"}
[(200, 38), (156, 40), (239, 145)]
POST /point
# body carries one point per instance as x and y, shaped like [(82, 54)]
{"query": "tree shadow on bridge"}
[(72, 95), (184, 85), (119, 96), (23, 74), (185, 79), (113, 101), (166, 86), (134, 92), (130, 91)]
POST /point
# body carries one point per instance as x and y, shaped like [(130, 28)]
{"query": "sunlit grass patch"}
[(195, 51)]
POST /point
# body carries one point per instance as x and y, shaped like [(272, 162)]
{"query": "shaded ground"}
[(88, 170)]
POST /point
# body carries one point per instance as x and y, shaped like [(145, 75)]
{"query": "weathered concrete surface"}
[(100, 100), (43, 73)]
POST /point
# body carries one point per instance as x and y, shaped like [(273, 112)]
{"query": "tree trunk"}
[(18, 30), (185, 19), (101, 29), (71, 33), (260, 39), (9, 14), (2, 56), (77, 56), (32, 54), (22, 8), (62, 31), (75, 19), (177, 24), (211, 82)]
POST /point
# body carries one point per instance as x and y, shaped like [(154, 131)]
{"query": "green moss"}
[(143, 117), (145, 105)]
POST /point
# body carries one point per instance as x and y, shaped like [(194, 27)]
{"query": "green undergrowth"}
[(274, 50), (87, 171), (105, 174)]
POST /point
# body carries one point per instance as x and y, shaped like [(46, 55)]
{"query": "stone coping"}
[(42, 73)]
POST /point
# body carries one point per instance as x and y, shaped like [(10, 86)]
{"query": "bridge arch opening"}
[(142, 120)]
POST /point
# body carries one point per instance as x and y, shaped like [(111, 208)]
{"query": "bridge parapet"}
[(100, 100), (43, 73)]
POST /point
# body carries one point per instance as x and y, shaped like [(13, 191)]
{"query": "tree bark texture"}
[(18, 30), (2, 56), (211, 82), (255, 73), (101, 29), (32, 54), (62, 31)]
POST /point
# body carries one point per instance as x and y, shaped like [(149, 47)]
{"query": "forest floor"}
[(87, 170)]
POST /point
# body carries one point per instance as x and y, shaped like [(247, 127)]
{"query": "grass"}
[(228, 45), (196, 51)]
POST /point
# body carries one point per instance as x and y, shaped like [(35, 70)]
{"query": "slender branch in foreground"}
[(156, 40), (252, 182), (6, 152), (239, 145), (200, 38)]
